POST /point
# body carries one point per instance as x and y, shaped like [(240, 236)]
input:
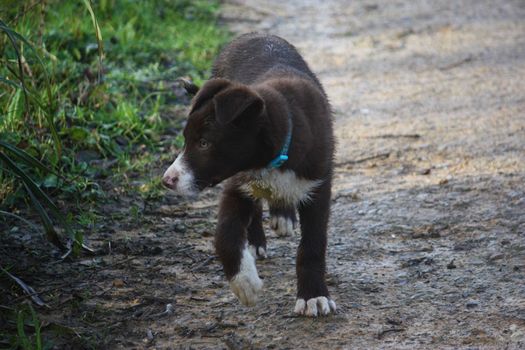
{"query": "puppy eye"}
[(203, 144)]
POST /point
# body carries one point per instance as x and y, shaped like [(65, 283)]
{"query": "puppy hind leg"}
[(283, 219), (256, 236)]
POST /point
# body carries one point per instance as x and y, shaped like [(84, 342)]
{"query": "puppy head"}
[(220, 138)]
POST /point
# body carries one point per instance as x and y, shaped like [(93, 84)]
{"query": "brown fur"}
[(258, 82)]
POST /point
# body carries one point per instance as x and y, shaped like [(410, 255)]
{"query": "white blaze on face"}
[(179, 177)]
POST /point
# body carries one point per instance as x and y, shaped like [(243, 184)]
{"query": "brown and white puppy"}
[(262, 95)]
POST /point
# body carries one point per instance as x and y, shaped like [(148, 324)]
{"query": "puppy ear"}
[(212, 87), (236, 102)]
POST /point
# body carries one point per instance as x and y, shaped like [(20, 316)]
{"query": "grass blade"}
[(25, 157), (37, 195), (37, 327), (5, 213), (28, 91), (26, 288), (20, 37), (98, 35), (30, 183), (10, 35), (22, 337), (14, 110), (9, 82), (48, 112), (51, 233)]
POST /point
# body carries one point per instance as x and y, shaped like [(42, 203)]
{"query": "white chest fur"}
[(278, 186)]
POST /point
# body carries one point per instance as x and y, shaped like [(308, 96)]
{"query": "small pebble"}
[(451, 265), (496, 256), (472, 304), (118, 282), (169, 309)]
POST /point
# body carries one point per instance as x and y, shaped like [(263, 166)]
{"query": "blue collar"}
[(283, 154)]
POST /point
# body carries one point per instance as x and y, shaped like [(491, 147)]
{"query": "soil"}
[(427, 233)]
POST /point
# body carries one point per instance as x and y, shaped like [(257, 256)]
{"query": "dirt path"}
[(427, 236), (427, 242)]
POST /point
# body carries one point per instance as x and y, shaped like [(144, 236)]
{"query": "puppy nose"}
[(170, 180)]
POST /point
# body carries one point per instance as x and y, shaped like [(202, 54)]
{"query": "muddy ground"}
[(427, 234)]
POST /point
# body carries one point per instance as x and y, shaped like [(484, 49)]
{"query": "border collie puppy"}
[(262, 123)]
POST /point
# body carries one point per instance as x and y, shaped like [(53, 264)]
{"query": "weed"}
[(28, 335), (87, 103), (88, 119)]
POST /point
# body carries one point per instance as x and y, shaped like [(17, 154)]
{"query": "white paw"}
[(283, 226), (315, 306), (247, 285), (258, 253)]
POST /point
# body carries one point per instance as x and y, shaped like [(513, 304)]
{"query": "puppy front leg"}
[(312, 294), (235, 215)]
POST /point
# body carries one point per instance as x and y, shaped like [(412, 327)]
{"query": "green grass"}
[(113, 109), (76, 116), (28, 330)]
